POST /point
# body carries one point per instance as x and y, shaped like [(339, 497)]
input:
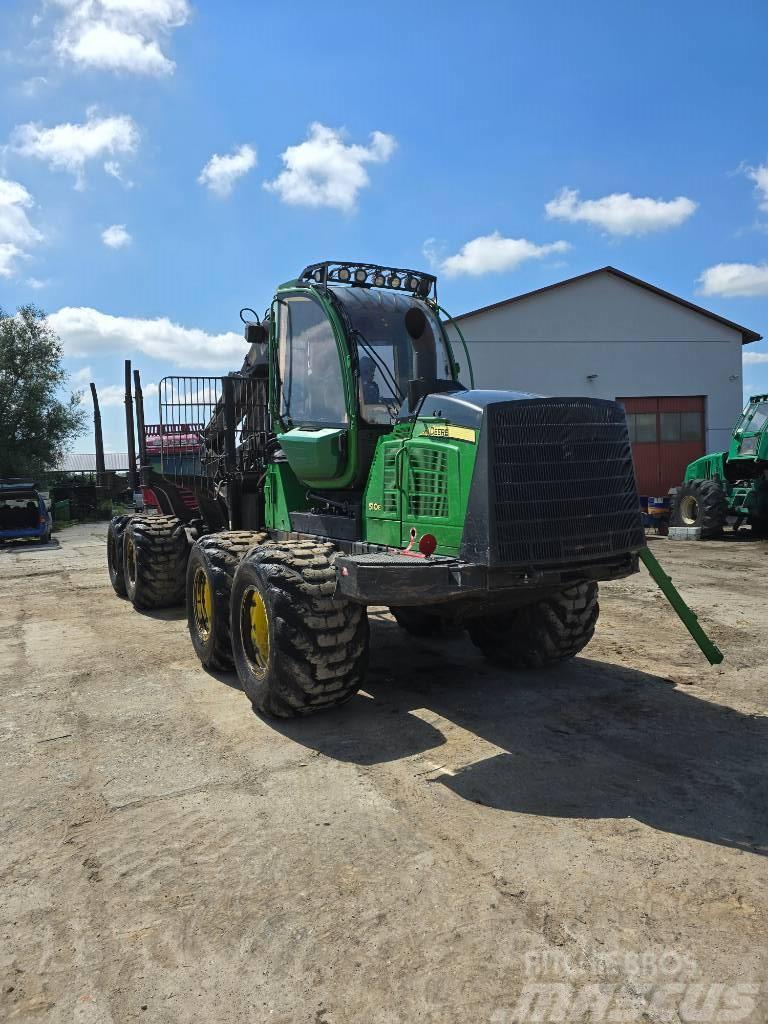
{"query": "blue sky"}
[(507, 145)]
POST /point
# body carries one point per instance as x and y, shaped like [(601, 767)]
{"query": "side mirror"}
[(256, 334)]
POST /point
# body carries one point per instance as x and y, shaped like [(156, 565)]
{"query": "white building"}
[(675, 366)]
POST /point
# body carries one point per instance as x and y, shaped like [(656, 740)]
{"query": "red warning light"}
[(427, 545)]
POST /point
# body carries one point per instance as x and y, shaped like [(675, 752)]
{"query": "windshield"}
[(754, 418), (394, 346)]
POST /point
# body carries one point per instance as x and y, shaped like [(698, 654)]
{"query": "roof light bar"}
[(367, 275)]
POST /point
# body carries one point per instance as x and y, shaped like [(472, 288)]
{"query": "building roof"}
[(86, 463), (746, 334)]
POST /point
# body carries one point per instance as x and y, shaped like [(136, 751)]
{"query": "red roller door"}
[(666, 434)]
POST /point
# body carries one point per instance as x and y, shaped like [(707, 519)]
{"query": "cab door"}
[(311, 399)]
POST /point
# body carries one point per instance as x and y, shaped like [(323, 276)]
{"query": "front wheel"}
[(298, 647), (700, 503), (549, 631)]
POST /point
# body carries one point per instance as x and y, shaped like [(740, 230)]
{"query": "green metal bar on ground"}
[(711, 651)]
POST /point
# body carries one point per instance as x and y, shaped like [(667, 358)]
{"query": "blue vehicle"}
[(23, 515)]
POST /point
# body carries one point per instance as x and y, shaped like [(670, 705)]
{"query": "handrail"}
[(463, 341)]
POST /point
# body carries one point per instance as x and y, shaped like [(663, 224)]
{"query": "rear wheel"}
[(115, 532), (210, 570), (155, 551), (701, 503), (549, 631), (298, 647)]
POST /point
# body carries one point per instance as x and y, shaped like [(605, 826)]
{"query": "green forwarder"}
[(729, 486), (347, 465)]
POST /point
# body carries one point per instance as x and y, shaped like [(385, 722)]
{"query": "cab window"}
[(759, 418), (390, 354), (312, 386)]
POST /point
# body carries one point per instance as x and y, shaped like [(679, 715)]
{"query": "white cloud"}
[(755, 357), (70, 146), (491, 254), (36, 283), (735, 280), (111, 395), (17, 234), (114, 170), (621, 213), (119, 35), (325, 171), (9, 253), (116, 237), (82, 376), (221, 172), (85, 332), (759, 175)]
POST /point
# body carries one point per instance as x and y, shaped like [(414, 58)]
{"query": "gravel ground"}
[(455, 845)]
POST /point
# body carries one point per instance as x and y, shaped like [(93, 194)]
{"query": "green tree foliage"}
[(36, 424)]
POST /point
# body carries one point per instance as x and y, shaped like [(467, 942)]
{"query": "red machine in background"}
[(178, 442)]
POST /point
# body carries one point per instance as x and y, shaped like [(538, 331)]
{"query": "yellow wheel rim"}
[(689, 510), (202, 604), (254, 625), (130, 559)]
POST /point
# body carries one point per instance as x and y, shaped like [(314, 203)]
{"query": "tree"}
[(36, 425)]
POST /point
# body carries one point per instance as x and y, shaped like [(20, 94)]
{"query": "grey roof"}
[(746, 334), (86, 463)]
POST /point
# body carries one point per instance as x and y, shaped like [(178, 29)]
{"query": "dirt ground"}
[(455, 845)]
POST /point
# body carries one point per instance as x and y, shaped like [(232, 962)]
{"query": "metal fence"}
[(211, 427)]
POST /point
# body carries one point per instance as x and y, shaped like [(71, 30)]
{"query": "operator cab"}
[(755, 416), (358, 347)]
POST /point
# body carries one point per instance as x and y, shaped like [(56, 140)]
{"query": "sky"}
[(164, 163)]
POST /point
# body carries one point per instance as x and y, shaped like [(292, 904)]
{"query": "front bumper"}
[(392, 579)]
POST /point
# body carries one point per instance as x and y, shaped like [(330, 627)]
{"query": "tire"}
[(155, 551), (115, 532), (210, 570), (417, 622), (701, 503), (297, 646), (547, 632)]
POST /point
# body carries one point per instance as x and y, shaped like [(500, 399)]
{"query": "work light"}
[(362, 274)]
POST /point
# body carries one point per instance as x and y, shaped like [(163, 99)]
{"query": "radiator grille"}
[(390, 479), (427, 482), (561, 481)]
